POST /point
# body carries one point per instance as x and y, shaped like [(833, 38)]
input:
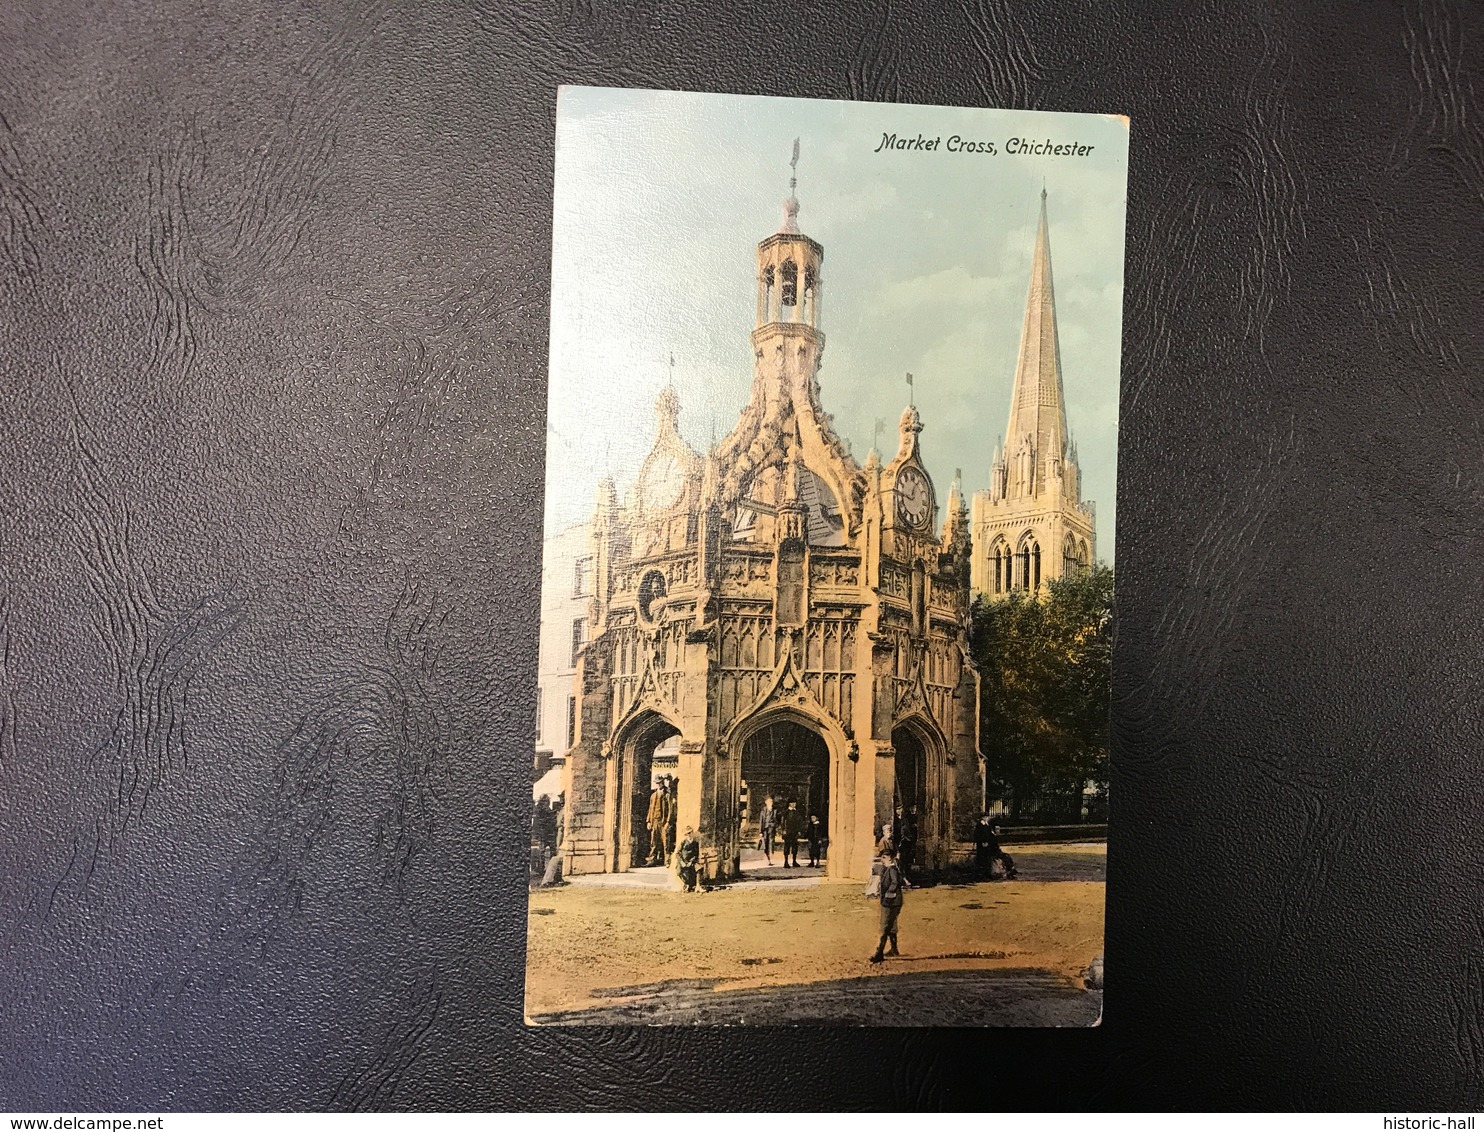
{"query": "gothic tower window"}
[(769, 283), (579, 638), (1002, 564), (789, 292), (1069, 562), (1035, 582), (811, 296)]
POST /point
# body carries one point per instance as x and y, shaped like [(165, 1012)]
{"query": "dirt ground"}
[(599, 948)]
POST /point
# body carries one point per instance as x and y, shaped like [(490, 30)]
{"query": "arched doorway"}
[(911, 793), (791, 763), (642, 760)]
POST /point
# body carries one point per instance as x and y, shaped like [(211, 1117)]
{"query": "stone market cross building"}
[(797, 621)]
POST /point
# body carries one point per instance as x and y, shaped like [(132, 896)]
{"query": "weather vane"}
[(911, 392)]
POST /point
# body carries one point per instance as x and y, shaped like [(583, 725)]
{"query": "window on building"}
[(571, 721), (538, 714), (579, 638), (789, 293), (582, 576), (1035, 563)]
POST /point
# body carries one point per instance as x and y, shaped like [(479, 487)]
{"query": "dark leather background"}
[(274, 288)]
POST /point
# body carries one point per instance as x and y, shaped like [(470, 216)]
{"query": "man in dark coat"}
[(793, 829), (907, 839), (767, 824), (655, 821), (893, 886), (816, 840), (672, 812), (687, 857), (987, 848), (543, 826)]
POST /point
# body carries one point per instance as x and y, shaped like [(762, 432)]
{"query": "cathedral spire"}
[(1038, 404)]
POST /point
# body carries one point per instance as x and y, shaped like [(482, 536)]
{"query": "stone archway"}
[(790, 762), (920, 791), (634, 770), (798, 753)]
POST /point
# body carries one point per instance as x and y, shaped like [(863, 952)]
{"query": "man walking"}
[(767, 824), (793, 829), (893, 885)]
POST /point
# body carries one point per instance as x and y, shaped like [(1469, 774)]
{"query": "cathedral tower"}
[(1031, 525)]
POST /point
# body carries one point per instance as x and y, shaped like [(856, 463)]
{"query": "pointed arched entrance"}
[(640, 758), (918, 793), (790, 762)]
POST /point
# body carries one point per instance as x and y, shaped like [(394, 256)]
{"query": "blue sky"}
[(662, 196)]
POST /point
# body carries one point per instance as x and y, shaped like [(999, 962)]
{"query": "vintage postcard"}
[(822, 717)]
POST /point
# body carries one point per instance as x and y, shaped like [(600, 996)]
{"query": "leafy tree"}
[(1045, 664)]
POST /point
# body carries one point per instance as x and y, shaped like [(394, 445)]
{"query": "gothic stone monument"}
[(798, 621)]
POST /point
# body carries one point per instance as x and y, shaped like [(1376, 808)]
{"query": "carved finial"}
[(791, 205), (667, 408)]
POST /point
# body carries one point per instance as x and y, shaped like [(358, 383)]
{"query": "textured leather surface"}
[(275, 281)]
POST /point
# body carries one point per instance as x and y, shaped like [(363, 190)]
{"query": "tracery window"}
[(789, 293)]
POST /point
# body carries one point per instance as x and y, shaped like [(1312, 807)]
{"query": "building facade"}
[(566, 591), (789, 621), (1031, 524)]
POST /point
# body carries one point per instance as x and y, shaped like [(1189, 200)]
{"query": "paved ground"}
[(932, 998), (794, 947)]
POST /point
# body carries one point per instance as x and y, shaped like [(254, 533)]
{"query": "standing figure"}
[(672, 812), (907, 839), (540, 822), (885, 842), (767, 825), (559, 822), (655, 821), (893, 886), (815, 833), (793, 829), (687, 856)]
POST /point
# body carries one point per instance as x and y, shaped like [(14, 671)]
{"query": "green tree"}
[(1045, 665)]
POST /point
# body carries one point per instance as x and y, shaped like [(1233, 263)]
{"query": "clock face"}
[(664, 481), (914, 498)]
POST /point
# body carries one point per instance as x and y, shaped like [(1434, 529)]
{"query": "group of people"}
[(793, 828), (987, 851), (894, 852), (661, 821)]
